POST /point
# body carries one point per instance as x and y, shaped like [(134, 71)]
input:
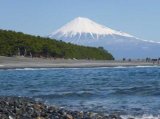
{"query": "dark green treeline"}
[(17, 43)]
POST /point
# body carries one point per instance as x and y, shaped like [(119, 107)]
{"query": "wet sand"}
[(23, 62)]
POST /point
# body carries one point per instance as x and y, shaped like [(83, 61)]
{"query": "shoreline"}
[(13, 107), (77, 67), (28, 108), (23, 62)]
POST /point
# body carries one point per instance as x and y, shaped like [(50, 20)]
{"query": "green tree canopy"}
[(17, 43)]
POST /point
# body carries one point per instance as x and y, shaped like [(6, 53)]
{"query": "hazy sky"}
[(41, 17)]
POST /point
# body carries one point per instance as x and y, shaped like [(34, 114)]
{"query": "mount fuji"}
[(83, 31)]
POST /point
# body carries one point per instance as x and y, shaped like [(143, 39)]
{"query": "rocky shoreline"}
[(26, 108)]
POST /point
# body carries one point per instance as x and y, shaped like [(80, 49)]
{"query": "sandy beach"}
[(23, 62)]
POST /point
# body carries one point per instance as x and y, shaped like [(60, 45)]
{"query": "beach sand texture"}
[(23, 62)]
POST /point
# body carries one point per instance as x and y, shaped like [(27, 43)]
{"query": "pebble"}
[(26, 108)]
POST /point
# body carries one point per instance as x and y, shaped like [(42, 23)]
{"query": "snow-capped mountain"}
[(83, 31)]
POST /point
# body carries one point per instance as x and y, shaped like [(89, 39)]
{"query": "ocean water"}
[(132, 91)]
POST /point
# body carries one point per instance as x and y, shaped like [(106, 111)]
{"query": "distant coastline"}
[(23, 62)]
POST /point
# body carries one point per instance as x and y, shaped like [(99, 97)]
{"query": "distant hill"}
[(17, 43)]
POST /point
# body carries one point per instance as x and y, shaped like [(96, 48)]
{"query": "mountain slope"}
[(80, 25), (83, 31)]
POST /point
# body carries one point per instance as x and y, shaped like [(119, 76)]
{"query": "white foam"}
[(145, 116), (147, 66), (119, 67), (27, 69)]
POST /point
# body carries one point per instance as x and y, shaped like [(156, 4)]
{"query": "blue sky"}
[(41, 17)]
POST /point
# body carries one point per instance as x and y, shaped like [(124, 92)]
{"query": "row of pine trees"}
[(17, 43)]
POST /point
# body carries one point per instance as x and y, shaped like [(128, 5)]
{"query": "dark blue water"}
[(128, 91)]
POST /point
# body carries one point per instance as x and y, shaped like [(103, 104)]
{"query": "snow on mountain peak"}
[(84, 25), (83, 31)]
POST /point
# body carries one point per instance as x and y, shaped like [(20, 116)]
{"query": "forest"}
[(19, 44)]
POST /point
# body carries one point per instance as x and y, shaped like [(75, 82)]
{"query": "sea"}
[(127, 91)]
